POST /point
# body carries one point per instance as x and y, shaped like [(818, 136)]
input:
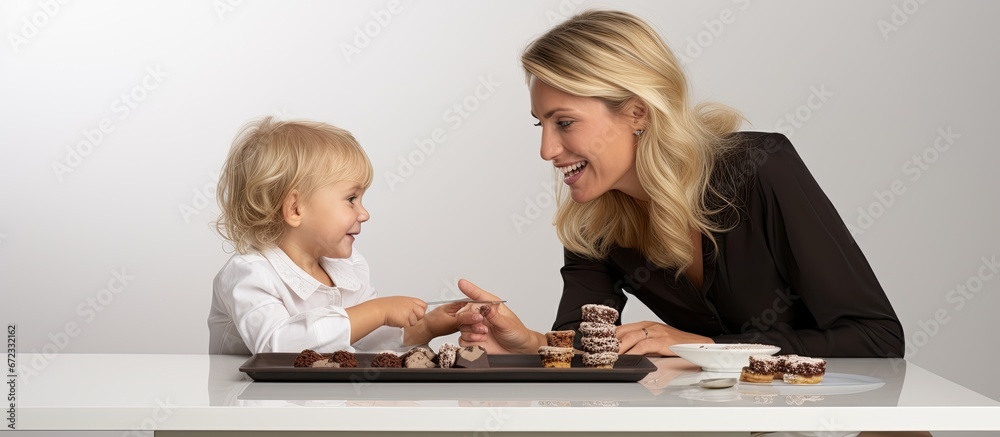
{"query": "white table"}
[(208, 393)]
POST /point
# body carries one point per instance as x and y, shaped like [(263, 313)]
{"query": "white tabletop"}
[(203, 392)]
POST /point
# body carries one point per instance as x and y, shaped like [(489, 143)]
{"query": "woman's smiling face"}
[(592, 146)]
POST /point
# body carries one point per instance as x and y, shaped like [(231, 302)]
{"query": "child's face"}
[(332, 217)]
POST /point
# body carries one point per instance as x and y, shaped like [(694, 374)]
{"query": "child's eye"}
[(351, 199)]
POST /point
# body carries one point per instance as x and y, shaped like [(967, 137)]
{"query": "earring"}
[(638, 132)]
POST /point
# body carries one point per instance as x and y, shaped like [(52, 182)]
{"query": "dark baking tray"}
[(467, 392), (277, 367)]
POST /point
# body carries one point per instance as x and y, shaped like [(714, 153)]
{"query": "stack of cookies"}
[(598, 336), (559, 351)]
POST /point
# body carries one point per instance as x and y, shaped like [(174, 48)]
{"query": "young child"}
[(290, 193)]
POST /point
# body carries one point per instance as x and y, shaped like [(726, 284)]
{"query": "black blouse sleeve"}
[(820, 261), (584, 282)]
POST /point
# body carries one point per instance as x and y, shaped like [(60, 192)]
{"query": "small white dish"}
[(727, 358)]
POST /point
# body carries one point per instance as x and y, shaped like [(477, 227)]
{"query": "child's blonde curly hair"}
[(269, 159)]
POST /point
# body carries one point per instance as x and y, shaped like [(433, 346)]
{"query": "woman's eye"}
[(564, 124), (537, 124)]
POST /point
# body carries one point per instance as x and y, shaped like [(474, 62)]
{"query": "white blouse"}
[(264, 302)]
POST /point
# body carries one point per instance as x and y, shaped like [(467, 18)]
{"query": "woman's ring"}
[(646, 333)]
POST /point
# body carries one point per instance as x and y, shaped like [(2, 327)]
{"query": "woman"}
[(724, 235)]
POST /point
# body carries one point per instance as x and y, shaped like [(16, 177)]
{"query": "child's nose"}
[(363, 216)]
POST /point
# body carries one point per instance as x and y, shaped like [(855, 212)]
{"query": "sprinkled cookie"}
[(601, 344), (599, 314)]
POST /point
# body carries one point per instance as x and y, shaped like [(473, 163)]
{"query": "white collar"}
[(302, 283)]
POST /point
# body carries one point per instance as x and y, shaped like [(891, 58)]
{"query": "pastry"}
[(470, 357), (556, 357), (418, 358), (325, 362), (447, 355), (591, 329), (748, 375), (307, 357), (804, 370), (782, 363), (599, 314), (387, 359), (600, 360), (760, 369), (560, 338), (600, 344), (344, 359)]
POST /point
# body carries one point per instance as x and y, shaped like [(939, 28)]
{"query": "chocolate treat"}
[(561, 357), (601, 344), (761, 369), (602, 360), (470, 357), (764, 364), (804, 370), (418, 358), (782, 363), (560, 338), (591, 329), (485, 310), (447, 355), (747, 375), (344, 358), (325, 362), (599, 314), (387, 359), (307, 357)]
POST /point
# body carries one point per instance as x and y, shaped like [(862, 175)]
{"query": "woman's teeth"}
[(571, 170)]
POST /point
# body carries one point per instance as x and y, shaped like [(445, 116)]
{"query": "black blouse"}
[(789, 273)]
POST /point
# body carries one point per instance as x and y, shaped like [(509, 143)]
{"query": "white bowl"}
[(727, 358)]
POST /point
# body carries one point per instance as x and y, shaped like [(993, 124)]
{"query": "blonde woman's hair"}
[(618, 58), (269, 159)]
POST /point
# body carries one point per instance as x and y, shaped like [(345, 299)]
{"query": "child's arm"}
[(398, 311), (266, 318)]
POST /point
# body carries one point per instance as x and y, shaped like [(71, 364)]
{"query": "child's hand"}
[(442, 321), (401, 311), (439, 321)]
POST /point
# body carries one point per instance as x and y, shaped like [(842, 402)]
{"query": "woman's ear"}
[(291, 209), (637, 110)]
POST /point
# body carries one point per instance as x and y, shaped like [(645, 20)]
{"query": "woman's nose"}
[(551, 148)]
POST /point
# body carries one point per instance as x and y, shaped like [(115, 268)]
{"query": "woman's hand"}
[(654, 338), (499, 330)]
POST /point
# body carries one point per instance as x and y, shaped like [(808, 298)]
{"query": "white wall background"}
[(139, 203)]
